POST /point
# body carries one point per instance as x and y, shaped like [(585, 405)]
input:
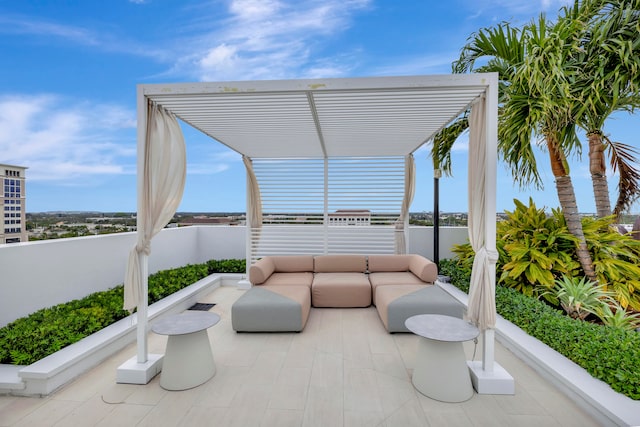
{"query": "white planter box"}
[(47, 375)]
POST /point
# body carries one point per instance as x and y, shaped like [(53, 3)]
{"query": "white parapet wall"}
[(420, 240), (35, 275)]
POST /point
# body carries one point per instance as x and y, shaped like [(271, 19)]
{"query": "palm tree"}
[(543, 104), (535, 101), (504, 47), (609, 82)]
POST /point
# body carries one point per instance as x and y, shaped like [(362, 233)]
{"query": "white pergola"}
[(364, 118)]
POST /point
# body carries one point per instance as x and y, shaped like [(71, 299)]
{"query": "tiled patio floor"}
[(344, 369)]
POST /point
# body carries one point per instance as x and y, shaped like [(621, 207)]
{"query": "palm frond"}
[(623, 158), (503, 42), (443, 143)]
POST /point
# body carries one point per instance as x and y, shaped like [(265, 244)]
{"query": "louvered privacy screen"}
[(337, 205)]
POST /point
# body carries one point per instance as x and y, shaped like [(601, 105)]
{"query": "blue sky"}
[(69, 73)]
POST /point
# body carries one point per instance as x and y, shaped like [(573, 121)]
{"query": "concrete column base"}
[(244, 284), (132, 372), (498, 381)]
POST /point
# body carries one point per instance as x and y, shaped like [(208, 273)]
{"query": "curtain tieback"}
[(144, 248)]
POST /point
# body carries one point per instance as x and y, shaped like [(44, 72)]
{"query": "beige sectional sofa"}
[(285, 288)]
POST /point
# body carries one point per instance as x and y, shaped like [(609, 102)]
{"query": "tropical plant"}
[(618, 317), (615, 259), (578, 297), (535, 249)]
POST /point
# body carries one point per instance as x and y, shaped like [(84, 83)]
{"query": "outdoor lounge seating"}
[(286, 287), (396, 303), (271, 309)]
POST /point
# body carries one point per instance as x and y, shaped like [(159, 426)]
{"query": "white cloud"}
[(265, 39), (205, 157), (17, 24), (515, 10), (250, 10), (222, 58), (439, 63), (24, 25), (206, 168), (66, 140)]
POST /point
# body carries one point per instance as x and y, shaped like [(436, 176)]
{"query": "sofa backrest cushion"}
[(292, 263), (261, 270), (394, 263), (340, 263), (424, 268)]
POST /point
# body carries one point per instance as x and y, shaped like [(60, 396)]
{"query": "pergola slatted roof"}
[(373, 116)]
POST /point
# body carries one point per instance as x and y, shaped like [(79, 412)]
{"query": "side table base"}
[(188, 361), (441, 371)]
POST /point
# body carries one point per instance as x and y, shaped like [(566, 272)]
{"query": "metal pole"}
[(437, 173), (143, 260)]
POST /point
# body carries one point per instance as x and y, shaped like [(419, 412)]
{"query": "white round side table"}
[(440, 370), (188, 360)]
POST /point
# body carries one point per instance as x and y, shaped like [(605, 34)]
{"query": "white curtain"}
[(164, 177), (482, 307), (254, 211), (409, 191)]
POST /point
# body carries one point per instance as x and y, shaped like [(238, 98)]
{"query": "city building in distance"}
[(12, 204)]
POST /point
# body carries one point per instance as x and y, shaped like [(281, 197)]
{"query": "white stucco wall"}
[(35, 275)]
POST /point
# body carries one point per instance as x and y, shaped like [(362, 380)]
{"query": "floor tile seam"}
[(147, 414), (348, 390), (125, 402), (399, 351), (402, 407), (207, 406), (313, 366), (543, 405), (103, 418), (45, 399), (61, 416)]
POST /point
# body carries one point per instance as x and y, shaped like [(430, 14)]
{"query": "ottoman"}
[(271, 309), (341, 290), (396, 303), (340, 281)]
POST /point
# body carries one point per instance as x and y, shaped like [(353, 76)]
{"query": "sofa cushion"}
[(261, 270), (289, 279), (424, 268), (397, 303), (340, 290), (271, 309), (389, 263), (340, 263), (388, 278), (292, 263)]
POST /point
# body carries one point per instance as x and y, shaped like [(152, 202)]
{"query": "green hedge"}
[(31, 338), (607, 353)]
